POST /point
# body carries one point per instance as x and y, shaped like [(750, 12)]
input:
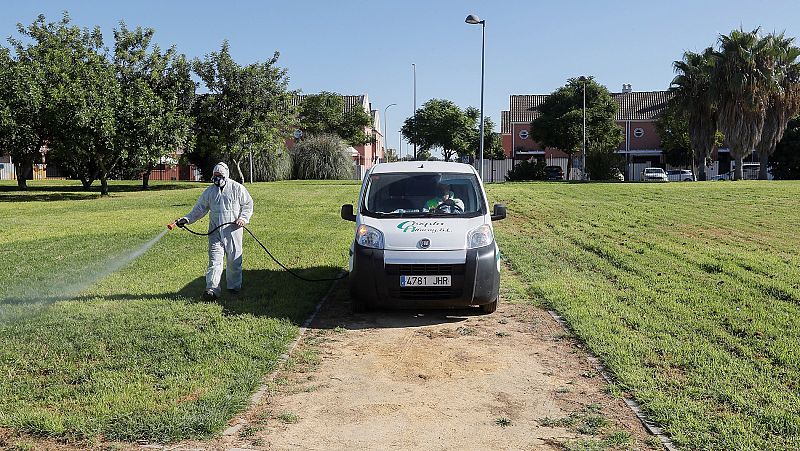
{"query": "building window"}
[(523, 134), (638, 132)]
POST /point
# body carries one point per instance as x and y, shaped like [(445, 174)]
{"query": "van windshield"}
[(423, 194)]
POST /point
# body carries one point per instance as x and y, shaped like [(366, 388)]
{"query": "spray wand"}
[(181, 223)]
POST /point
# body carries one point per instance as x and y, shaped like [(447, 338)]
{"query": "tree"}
[(560, 123), (492, 142), (784, 101), (78, 91), (154, 116), (693, 100), (391, 156), (673, 130), (26, 88), (785, 161), (743, 82), (247, 109), (440, 124), (325, 113)]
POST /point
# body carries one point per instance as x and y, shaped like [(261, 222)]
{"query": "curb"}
[(651, 427)]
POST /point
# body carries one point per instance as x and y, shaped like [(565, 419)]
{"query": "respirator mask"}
[(218, 180)]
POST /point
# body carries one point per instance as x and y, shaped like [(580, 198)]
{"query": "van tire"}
[(490, 307)]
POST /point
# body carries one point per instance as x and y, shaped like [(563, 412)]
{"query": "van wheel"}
[(490, 307)]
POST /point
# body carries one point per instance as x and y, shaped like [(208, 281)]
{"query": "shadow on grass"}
[(270, 293), (265, 293), (55, 192)]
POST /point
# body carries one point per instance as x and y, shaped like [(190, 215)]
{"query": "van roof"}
[(423, 166)]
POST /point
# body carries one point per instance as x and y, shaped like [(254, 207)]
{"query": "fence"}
[(495, 171), (177, 172), (7, 172)]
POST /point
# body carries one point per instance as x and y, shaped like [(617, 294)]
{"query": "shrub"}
[(269, 167), (321, 157), (527, 170), (604, 165)]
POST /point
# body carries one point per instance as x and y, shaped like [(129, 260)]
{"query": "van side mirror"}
[(347, 213), (499, 212)]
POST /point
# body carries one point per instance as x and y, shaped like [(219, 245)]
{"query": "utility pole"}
[(414, 67)]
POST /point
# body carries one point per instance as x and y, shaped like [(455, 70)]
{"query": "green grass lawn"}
[(689, 292), (92, 347)]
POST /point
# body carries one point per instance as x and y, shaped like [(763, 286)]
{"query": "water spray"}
[(181, 223)]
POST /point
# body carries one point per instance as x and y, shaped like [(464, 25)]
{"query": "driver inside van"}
[(445, 202)]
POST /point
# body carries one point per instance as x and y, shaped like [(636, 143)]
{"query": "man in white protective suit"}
[(227, 201)]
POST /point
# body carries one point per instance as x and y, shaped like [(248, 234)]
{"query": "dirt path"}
[(436, 380)]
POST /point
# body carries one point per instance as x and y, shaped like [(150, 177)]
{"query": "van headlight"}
[(369, 237), (482, 236)]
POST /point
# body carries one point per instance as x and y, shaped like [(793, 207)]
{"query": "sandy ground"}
[(429, 380), (435, 380)]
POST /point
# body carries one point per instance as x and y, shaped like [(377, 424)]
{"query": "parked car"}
[(749, 172), (554, 173), (680, 175), (654, 175)]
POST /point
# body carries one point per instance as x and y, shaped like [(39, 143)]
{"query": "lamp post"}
[(385, 121), (475, 20), (414, 68), (583, 165)]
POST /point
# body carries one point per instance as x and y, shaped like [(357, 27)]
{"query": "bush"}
[(527, 170), (269, 167), (602, 165), (322, 157)]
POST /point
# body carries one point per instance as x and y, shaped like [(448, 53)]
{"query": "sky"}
[(356, 47)]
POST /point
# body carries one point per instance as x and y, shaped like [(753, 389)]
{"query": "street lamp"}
[(385, 120), (583, 167), (475, 20), (414, 67)]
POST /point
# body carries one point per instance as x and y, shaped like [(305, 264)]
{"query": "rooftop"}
[(633, 106)]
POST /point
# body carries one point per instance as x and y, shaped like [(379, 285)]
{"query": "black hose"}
[(329, 279)]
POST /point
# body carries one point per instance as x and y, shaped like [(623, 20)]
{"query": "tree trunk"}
[(146, 177), (569, 166), (737, 171), (23, 170), (699, 168), (104, 184), (762, 170), (239, 170), (87, 182)]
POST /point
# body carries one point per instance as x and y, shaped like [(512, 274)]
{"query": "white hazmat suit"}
[(226, 203)]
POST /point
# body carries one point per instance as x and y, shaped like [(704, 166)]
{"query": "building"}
[(365, 155), (636, 116)]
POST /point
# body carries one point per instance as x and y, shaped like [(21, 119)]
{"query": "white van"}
[(424, 238)]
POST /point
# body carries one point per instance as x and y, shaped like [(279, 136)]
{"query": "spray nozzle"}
[(177, 223)]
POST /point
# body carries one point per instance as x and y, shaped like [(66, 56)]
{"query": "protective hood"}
[(222, 168)]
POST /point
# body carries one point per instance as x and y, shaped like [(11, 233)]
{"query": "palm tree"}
[(692, 89), (784, 102), (743, 80)]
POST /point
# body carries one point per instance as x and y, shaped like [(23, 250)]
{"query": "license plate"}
[(424, 281)]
